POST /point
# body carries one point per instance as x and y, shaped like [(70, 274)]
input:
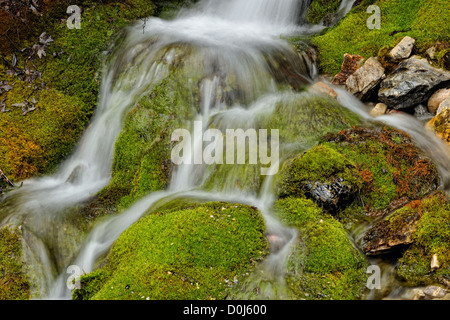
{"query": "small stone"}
[(437, 98), (378, 110), (435, 263), (364, 80), (431, 52), (435, 291), (403, 49), (418, 294)]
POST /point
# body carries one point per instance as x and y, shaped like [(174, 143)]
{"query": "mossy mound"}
[(196, 252), (324, 263), (323, 174), (432, 237), (393, 169), (304, 118), (14, 284), (425, 21)]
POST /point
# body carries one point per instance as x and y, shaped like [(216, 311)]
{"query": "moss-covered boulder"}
[(14, 283), (431, 240), (394, 170), (192, 252), (322, 174), (324, 263)]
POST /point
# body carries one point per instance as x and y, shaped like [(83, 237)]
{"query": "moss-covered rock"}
[(425, 21), (319, 8), (431, 237), (394, 170), (322, 174), (14, 283), (324, 263), (193, 252)]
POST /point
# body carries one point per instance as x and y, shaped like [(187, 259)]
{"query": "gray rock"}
[(366, 78), (422, 113), (411, 83), (403, 49)]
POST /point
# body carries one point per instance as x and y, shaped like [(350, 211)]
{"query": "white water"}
[(231, 36)]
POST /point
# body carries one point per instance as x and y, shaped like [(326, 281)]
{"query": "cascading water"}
[(219, 42)]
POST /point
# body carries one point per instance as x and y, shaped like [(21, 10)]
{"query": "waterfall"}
[(236, 37)]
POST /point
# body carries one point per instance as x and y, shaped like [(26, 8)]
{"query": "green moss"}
[(13, 282), (425, 21), (304, 118), (432, 237), (319, 8), (324, 263), (319, 164), (193, 253), (38, 141), (143, 148)]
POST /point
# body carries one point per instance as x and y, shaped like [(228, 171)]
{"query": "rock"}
[(366, 78), (378, 110), (403, 49), (421, 113), (349, 66), (320, 87), (411, 83), (446, 60), (392, 233), (434, 265), (431, 52), (418, 294), (435, 292), (443, 106), (440, 125), (437, 98)]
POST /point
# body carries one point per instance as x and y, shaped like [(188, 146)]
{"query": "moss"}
[(34, 143), (391, 166), (143, 148), (193, 253), (432, 237), (304, 118), (425, 21), (319, 8), (324, 263), (317, 164), (14, 284)]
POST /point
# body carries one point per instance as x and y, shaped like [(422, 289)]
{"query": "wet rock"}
[(378, 110), (411, 83), (434, 292), (421, 113), (391, 234), (349, 66), (365, 79), (437, 98), (403, 49), (320, 87)]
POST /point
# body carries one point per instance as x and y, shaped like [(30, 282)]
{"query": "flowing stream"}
[(236, 37)]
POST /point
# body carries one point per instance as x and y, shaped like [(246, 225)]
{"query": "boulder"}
[(403, 49), (349, 66), (411, 83), (437, 98), (365, 79)]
